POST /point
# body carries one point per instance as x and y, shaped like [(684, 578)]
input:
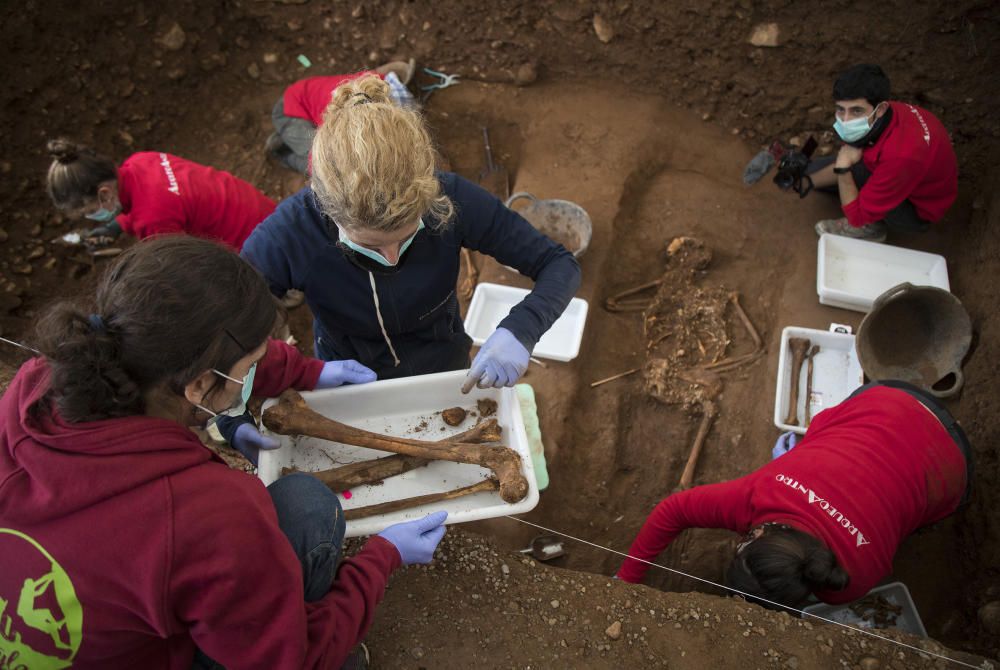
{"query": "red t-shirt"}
[(125, 543), (868, 472), (308, 98), (912, 160), (161, 193)]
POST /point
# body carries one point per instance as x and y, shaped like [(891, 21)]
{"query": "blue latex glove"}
[(416, 540), (500, 362), (248, 441), (336, 373), (786, 442)]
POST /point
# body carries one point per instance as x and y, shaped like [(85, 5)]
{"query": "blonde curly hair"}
[(373, 162)]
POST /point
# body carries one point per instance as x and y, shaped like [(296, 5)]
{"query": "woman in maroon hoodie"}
[(128, 544)]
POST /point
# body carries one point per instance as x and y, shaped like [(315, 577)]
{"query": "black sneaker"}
[(357, 659), (275, 146)]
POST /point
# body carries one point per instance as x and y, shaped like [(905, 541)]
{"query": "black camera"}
[(792, 169)]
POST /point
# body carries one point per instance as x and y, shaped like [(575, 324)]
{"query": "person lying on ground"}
[(896, 169), (153, 193), (299, 110), (825, 519), (374, 243), (136, 545)]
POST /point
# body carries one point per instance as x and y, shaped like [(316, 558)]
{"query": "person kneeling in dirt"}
[(374, 243), (300, 109), (826, 517), (126, 542), (896, 169), (153, 193)]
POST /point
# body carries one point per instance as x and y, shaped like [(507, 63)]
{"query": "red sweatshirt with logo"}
[(912, 160), (161, 193), (125, 543), (868, 472), (308, 98)]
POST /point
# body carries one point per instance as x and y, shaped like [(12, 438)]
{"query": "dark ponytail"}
[(166, 311), (786, 566), (76, 173)]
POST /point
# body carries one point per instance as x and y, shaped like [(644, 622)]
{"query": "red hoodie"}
[(868, 472), (308, 98), (161, 193), (126, 544), (912, 160)]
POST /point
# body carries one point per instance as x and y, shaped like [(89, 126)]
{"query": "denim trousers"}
[(310, 516)]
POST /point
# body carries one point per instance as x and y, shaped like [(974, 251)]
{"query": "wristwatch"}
[(838, 170)]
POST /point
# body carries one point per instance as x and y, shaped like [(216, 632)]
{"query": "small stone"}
[(614, 631), (555, 604), (765, 35), (36, 230), (126, 137), (604, 30), (792, 662), (869, 663), (358, 12), (174, 38), (270, 58), (37, 252), (526, 74), (3, 236), (253, 71), (504, 568), (22, 269), (175, 73), (417, 653)]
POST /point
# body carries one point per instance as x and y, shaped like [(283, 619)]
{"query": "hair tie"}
[(367, 98), (97, 323)]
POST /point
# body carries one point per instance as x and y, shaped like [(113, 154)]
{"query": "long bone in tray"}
[(292, 416), (368, 472)]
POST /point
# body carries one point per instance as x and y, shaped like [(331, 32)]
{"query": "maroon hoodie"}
[(125, 543)]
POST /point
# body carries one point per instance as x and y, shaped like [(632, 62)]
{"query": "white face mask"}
[(854, 129), (374, 255), (239, 409)]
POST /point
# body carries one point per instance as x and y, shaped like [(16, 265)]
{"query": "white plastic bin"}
[(411, 408), (836, 373), (851, 273), (895, 593), (491, 303)]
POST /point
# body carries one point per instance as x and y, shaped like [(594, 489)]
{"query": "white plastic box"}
[(491, 303), (895, 593), (851, 273), (411, 408), (836, 374)]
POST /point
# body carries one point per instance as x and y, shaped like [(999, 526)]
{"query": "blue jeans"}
[(310, 516)]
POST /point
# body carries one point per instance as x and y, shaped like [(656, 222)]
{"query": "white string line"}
[(748, 595), (18, 344)]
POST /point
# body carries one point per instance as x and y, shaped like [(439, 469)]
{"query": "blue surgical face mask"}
[(241, 408), (374, 255), (104, 215), (855, 129)]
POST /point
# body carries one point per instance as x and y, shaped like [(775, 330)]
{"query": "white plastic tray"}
[(406, 408), (895, 593), (852, 273), (836, 374), (491, 303)]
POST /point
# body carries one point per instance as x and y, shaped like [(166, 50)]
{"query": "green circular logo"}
[(41, 620)]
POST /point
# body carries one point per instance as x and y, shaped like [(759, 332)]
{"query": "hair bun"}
[(63, 150), (367, 89)]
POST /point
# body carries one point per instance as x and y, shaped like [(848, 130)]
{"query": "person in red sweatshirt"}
[(153, 193), (896, 169), (126, 543), (826, 517), (299, 111)]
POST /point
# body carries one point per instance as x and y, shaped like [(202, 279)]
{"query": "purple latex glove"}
[(786, 442), (416, 540), (248, 441), (336, 373), (500, 362)]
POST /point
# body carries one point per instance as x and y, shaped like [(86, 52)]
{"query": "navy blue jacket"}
[(297, 247)]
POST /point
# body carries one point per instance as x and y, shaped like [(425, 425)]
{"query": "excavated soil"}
[(644, 114)]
